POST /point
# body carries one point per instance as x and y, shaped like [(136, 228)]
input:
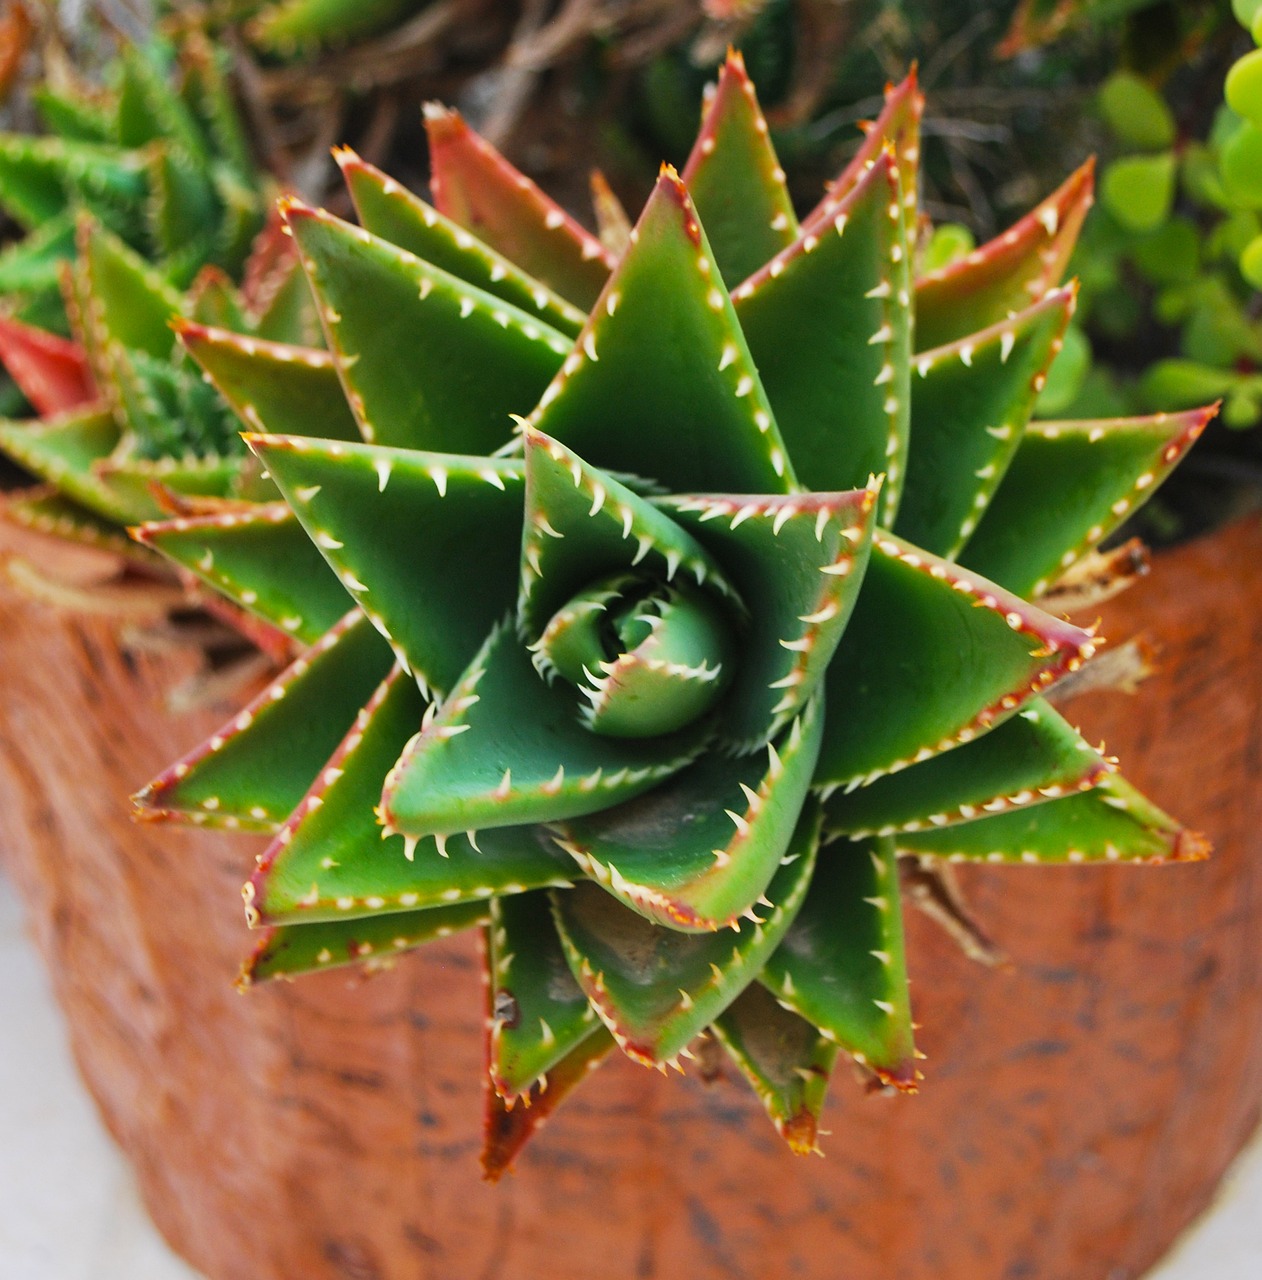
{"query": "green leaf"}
[(1139, 190), (829, 327), (1069, 486), (133, 481), (970, 405), (1008, 273), (149, 110), (1136, 113), (275, 388), (897, 127), (1032, 757), (842, 964), (262, 559), (1240, 161), (786, 1060), (47, 511), (390, 211), (509, 1128), (288, 27), (331, 859), (934, 656), (582, 525), (508, 748), (128, 302), (736, 181), (697, 852), (62, 451), (182, 206), (472, 360), (288, 950), (32, 264), (1244, 87), (39, 177), (539, 1014), (463, 521), (1112, 822), (656, 988), (477, 188), (256, 769), (661, 383), (798, 564)]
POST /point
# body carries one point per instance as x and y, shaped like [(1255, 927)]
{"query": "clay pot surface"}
[(1078, 1109)]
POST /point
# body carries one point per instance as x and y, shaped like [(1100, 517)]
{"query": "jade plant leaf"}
[(842, 964)]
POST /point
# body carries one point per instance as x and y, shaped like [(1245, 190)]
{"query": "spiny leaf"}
[(273, 387), (839, 385), (896, 128), (288, 950), (475, 186), (50, 371), (330, 861), (127, 301), (33, 263), (581, 525), (507, 1130), (797, 563), (254, 771), (40, 176), (62, 450), (970, 404), (539, 1014), (1112, 822), (472, 360), (1008, 273), (46, 510), (1032, 757), (473, 767), (182, 208), (463, 521), (698, 852), (214, 300), (786, 1060), (842, 965), (1069, 486), (661, 383), (262, 560), (656, 988), (934, 655), (149, 110), (735, 179), (390, 211), (134, 482)]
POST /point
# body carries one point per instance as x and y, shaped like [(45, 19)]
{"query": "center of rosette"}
[(650, 657)]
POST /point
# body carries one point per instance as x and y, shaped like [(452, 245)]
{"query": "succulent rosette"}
[(677, 585)]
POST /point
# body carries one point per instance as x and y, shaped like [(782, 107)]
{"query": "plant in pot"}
[(648, 687)]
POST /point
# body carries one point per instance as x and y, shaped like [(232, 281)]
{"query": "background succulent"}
[(671, 593)]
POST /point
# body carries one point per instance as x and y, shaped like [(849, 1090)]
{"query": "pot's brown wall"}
[(1077, 1111)]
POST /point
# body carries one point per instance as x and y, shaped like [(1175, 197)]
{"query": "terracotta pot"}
[(1078, 1109)]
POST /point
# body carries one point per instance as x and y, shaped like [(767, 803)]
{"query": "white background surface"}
[(69, 1210)]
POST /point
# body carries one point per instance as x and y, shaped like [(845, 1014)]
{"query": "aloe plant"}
[(126, 428), (160, 157), (666, 599)]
